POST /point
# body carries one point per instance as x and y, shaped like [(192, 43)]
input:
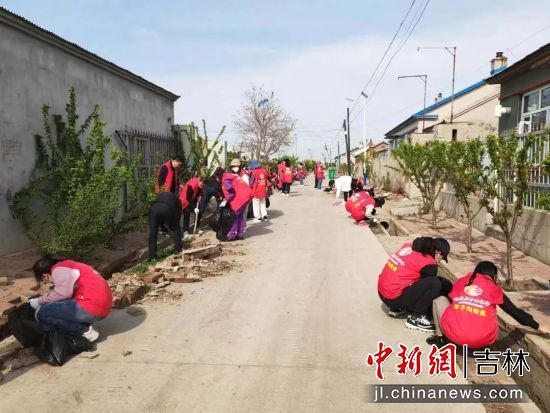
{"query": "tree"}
[(204, 157), (264, 128), (72, 199), (427, 167), (505, 184), (466, 172), (309, 164)]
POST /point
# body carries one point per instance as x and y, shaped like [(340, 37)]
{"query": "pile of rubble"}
[(191, 265)]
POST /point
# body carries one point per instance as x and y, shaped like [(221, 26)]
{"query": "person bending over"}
[(189, 198), (165, 211), (80, 297), (361, 205), (469, 315), (409, 283)]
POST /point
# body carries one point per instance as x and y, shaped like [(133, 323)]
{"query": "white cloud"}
[(145, 34), (313, 83)]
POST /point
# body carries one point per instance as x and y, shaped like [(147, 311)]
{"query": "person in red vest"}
[(301, 174), (80, 297), (470, 316), (259, 183), (361, 205), (167, 176), (237, 194), (288, 176), (280, 173), (189, 195), (409, 283), (319, 173)]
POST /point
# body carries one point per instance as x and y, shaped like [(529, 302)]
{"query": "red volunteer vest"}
[(167, 186), (287, 174), (259, 187), (319, 172), (357, 204), (243, 193), (194, 184), (91, 291), (401, 270), (472, 316)]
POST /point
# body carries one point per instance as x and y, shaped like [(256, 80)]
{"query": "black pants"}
[(161, 215), (186, 212), (347, 195), (207, 194), (417, 298), (286, 188)]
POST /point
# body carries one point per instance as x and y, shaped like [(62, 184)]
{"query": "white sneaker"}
[(91, 334), (257, 220), (199, 232)]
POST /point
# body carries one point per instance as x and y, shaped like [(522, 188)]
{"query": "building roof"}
[(425, 113), (539, 57), (23, 25)]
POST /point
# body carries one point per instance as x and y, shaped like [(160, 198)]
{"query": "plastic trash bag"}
[(226, 220), (23, 326), (58, 346)]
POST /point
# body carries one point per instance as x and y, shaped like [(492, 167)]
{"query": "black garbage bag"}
[(24, 327), (216, 220), (267, 203), (226, 220), (58, 346)]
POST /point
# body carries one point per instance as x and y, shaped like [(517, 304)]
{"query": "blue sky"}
[(312, 54)]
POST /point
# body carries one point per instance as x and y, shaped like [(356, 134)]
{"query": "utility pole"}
[(424, 78), (452, 51), (364, 125), (339, 162), (348, 142)]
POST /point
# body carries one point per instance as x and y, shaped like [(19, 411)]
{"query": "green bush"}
[(72, 200)]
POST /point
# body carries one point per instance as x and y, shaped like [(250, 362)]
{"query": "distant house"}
[(473, 114), (38, 67)]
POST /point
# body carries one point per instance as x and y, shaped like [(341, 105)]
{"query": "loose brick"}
[(6, 308), (4, 281), (12, 298), (152, 278), (132, 295)]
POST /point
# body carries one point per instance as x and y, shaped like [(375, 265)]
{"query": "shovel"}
[(196, 218)]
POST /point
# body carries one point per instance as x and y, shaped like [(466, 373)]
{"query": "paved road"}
[(288, 334)]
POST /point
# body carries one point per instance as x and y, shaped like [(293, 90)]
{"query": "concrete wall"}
[(532, 234), (32, 73)]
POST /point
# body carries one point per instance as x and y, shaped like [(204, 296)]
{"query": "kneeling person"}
[(361, 206), (80, 297)]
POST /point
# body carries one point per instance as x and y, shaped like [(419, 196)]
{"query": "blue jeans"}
[(319, 183), (66, 315), (365, 178), (301, 181)]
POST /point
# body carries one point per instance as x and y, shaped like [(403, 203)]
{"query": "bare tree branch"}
[(264, 128)]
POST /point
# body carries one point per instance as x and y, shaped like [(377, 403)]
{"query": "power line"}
[(400, 47), (384, 56)]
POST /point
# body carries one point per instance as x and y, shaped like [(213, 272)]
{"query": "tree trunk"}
[(469, 235), (509, 275), (434, 214)]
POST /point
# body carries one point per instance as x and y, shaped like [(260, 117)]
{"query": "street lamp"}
[(364, 95), (424, 78), (452, 51)]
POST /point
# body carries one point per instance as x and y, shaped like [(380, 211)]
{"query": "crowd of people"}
[(409, 284)]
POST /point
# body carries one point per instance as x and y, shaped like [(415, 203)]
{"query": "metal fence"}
[(539, 181), (153, 149)]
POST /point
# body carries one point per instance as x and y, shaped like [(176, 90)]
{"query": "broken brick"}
[(132, 295), (152, 278), (6, 308), (4, 281)]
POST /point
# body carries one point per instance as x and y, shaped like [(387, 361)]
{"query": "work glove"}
[(34, 303), (223, 203), (375, 221), (196, 210)]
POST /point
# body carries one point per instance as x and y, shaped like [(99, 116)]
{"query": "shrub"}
[(72, 200)]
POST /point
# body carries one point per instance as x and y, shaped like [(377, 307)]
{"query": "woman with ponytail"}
[(471, 316)]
